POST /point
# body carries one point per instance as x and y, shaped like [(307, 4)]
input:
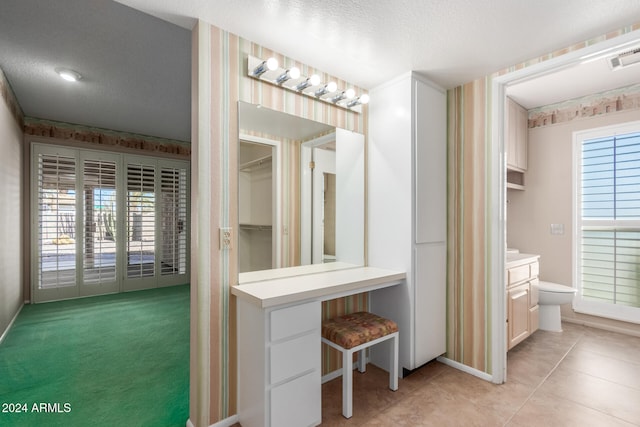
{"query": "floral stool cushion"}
[(352, 330)]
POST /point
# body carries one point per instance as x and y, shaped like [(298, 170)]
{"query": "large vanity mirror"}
[(301, 192)]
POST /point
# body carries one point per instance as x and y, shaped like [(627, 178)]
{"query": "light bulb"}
[(349, 93), (294, 73), (314, 80), (364, 98), (332, 87), (272, 63)]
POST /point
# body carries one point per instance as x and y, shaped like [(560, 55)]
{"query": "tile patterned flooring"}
[(580, 377)]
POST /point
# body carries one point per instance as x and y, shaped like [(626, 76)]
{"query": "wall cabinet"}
[(517, 130), (407, 213), (522, 300)]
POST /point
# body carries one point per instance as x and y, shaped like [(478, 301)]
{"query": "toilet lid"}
[(555, 287)]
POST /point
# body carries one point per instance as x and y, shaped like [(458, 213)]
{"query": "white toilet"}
[(551, 296)]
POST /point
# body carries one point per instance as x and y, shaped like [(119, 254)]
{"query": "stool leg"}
[(347, 383), (362, 360), (393, 371)]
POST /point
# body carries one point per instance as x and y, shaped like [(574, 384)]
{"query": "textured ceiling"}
[(368, 42), (136, 67)]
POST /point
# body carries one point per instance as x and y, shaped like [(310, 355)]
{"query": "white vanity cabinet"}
[(407, 212), (279, 338), (279, 354)]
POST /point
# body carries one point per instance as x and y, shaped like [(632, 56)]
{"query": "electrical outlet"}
[(225, 238)]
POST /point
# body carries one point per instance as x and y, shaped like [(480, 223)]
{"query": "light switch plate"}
[(557, 229)]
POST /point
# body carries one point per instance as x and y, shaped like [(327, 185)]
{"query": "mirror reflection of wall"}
[(286, 138)]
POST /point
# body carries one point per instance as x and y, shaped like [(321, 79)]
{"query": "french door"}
[(105, 222)]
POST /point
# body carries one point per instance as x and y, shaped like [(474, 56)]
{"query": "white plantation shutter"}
[(141, 220), (100, 221), (173, 184), (56, 220), (609, 225)]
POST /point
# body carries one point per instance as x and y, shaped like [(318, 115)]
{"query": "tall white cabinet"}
[(407, 212)]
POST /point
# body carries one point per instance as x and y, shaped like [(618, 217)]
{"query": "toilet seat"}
[(555, 287)]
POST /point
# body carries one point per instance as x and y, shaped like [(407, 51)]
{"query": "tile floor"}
[(581, 377)]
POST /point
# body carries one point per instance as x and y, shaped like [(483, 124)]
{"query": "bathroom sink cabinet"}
[(522, 299)]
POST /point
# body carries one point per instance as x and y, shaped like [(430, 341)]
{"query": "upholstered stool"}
[(356, 332)]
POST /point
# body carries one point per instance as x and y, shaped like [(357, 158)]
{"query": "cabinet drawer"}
[(294, 320), (298, 402), (293, 357), (517, 274)]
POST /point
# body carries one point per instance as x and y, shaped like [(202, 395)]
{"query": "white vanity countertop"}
[(280, 273), (516, 259), (322, 285)]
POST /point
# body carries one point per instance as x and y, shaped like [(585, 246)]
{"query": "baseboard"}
[(6, 331), (464, 368), (604, 327), (331, 376), (227, 422)]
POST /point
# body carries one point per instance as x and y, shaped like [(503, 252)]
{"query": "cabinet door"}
[(511, 134), (430, 302), (522, 124), (518, 314), (430, 163)]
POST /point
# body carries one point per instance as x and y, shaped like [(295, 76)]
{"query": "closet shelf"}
[(255, 227)]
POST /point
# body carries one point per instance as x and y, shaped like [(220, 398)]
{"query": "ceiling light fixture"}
[(291, 78), (68, 75)]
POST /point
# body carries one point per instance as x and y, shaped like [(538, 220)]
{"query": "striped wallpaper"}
[(469, 201), (220, 81)]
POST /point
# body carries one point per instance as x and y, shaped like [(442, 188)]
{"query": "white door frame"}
[(498, 180)]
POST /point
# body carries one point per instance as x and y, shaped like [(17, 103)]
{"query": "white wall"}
[(11, 218), (547, 199)]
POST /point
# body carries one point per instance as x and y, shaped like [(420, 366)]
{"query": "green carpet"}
[(114, 360)]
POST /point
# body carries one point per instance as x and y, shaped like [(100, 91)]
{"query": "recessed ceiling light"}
[(68, 75)]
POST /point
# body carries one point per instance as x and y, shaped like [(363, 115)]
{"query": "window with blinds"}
[(100, 221), (141, 220), (106, 222), (173, 185), (609, 224), (57, 221)]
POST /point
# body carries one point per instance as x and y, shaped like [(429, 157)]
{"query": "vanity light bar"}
[(290, 78)]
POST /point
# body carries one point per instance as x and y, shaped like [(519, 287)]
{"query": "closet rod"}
[(256, 162)]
